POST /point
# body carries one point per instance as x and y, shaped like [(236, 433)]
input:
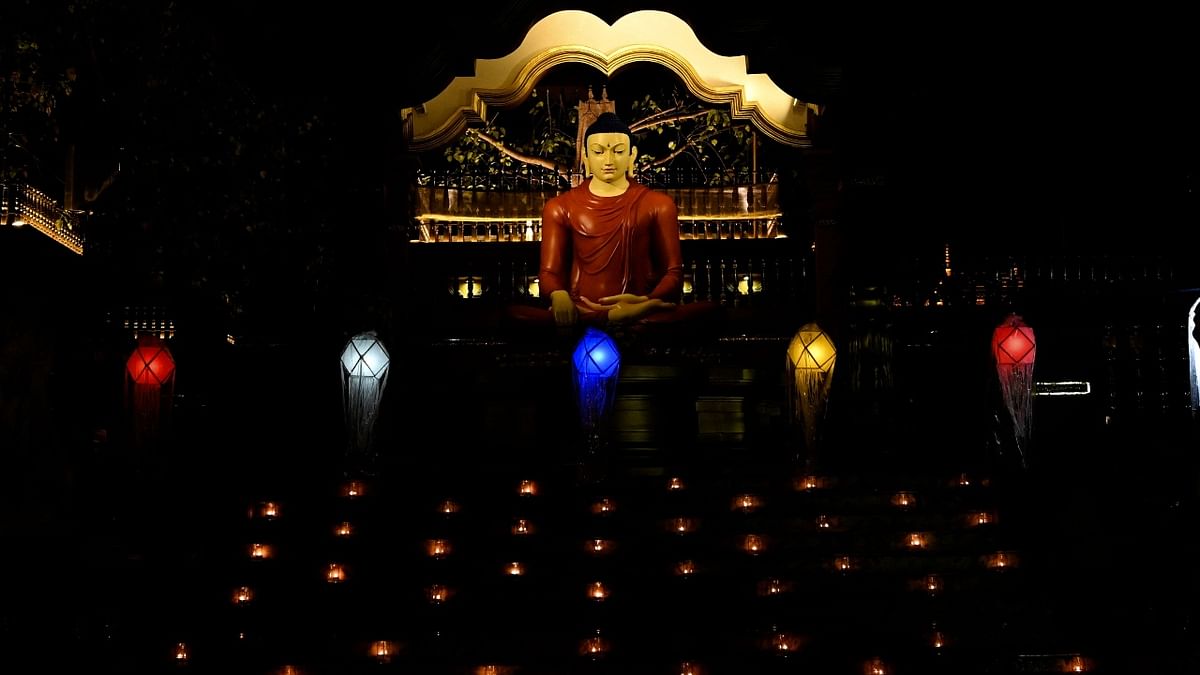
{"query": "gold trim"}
[(573, 36)]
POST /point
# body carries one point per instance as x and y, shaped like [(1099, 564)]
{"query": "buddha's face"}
[(609, 156)]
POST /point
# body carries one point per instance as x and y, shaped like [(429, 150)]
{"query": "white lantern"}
[(365, 363)]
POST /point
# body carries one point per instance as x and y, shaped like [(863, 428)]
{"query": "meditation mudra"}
[(610, 249)]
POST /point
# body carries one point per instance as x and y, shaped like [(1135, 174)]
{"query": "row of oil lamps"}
[(597, 645)]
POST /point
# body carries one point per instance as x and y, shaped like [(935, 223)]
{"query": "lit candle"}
[(260, 551), (335, 573), (675, 484), (181, 652), (522, 527), (685, 568), (746, 503), (754, 544), (383, 650), (807, 483), (242, 595), (687, 668), (516, 569), (933, 583), (594, 646), (938, 639), (824, 522), (783, 643), (448, 507), (1076, 665), (597, 591), (343, 529), (980, 518), (269, 510), (681, 525), (603, 505), (437, 548), (875, 667), (437, 594), (598, 546), (904, 499), (964, 480), (842, 563), (353, 489), (771, 587), (1001, 560), (916, 540), (527, 488)]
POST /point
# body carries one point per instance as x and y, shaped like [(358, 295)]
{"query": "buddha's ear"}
[(587, 165), (629, 171)]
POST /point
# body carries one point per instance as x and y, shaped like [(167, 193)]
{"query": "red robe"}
[(594, 247)]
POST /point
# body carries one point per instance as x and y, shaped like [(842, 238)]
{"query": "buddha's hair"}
[(607, 123)]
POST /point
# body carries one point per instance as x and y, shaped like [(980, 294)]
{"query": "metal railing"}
[(506, 205)]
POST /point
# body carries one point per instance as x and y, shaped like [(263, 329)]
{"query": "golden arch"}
[(574, 36)]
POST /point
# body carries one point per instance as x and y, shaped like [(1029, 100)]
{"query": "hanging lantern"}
[(150, 385), (1193, 343), (597, 364), (1014, 350), (810, 361), (365, 364)]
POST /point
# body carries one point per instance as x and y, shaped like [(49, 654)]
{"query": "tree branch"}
[(523, 158), (661, 118)]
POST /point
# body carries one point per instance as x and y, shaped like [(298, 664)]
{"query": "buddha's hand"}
[(627, 307), (563, 308)]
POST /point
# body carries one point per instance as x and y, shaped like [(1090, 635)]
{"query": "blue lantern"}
[(597, 365)]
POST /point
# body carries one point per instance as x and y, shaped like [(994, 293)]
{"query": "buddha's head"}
[(609, 150)]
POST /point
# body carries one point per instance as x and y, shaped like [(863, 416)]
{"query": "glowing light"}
[(437, 548), (1193, 343), (597, 591), (597, 365), (383, 650), (437, 594), (1015, 350), (811, 358), (365, 365), (335, 573)]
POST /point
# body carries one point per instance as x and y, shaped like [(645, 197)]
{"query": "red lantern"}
[(1014, 350), (1013, 342), (151, 362), (150, 382)]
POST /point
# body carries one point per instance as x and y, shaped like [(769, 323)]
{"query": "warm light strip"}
[(1064, 388), (447, 218), (35, 208), (573, 36)]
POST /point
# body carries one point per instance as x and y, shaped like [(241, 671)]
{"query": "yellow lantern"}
[(811, 357)]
